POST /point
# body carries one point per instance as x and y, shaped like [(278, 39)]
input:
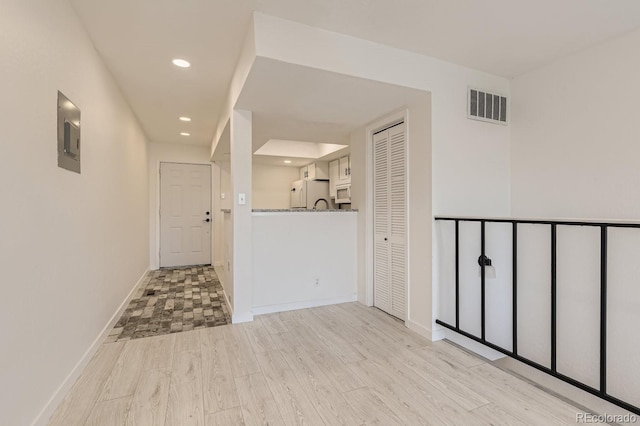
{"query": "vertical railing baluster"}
[(603, 309), (514, 291), (457, 275), (482, 282), (553, 298)]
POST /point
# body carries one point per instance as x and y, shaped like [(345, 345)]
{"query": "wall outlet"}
[(317, 283), (222, 195)]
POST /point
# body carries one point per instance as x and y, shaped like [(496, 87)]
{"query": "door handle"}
[(207, 220)]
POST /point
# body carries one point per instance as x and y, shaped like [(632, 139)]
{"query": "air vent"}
[(486, 106)]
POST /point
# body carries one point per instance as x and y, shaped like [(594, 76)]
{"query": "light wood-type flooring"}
[(341, 364)]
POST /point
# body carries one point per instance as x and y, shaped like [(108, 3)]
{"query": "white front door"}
[(185, 214)]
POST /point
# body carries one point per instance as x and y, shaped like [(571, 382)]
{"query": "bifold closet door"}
[(390, 221)]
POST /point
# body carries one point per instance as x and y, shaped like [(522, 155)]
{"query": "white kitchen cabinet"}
[(344, 170), (315, 171), (311, 171), (319, 170), (334, 167)]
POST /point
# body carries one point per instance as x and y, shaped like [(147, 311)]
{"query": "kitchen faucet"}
[(315, 206)]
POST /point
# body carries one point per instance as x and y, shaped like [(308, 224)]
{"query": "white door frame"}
[(382, 123), (157, 206)]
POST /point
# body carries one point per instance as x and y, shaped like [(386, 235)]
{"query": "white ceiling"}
[(138, 38)]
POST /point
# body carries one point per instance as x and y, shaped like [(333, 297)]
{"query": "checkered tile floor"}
[(173, 300)]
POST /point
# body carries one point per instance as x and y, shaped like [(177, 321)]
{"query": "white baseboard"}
[(472, 345), (50, 407), (228, 302), (432, 335), (241, 317), (260, 310), (220, 273), (438, 334)]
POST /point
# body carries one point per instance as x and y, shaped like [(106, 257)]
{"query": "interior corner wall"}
[(271, 187), (73, 246), (358, 146), (221, 185), (172, 153), (241, 216), (575, 133)]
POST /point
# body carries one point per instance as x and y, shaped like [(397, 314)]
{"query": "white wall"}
[(73, 246), (241, 221), (225, 184), (575, 151), (314, 245), (227, 258), (173, 153), (271, 186), (221, 187), (575, 133)]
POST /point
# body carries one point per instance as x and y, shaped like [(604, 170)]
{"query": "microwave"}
[(343, 193)]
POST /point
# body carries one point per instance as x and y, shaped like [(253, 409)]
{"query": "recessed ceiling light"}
[(287, 161), (181, 63), (185, 119), (185, 134)]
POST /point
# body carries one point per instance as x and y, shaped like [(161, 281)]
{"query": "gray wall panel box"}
[(68, 134)]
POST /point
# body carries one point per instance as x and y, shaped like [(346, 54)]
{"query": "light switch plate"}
[(242, 200)]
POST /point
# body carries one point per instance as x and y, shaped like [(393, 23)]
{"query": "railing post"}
[(514, 291), (457, 275), (553, 298), (603, 309), (482, 282)]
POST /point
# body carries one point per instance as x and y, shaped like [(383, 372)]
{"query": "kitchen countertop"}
[(303, 210)]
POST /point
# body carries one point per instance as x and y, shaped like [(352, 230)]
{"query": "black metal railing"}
[(601, 391)]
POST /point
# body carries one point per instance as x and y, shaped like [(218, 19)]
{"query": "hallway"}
[(341, 364)]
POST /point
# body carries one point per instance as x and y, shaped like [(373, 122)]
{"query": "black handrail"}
[(602, 390)]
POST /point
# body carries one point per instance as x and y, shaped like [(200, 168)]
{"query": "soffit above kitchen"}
[(137, 39), (296, 103)]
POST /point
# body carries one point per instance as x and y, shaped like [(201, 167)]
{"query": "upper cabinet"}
[(339, 174), (334, 167), (344, 170), (315, 171)]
